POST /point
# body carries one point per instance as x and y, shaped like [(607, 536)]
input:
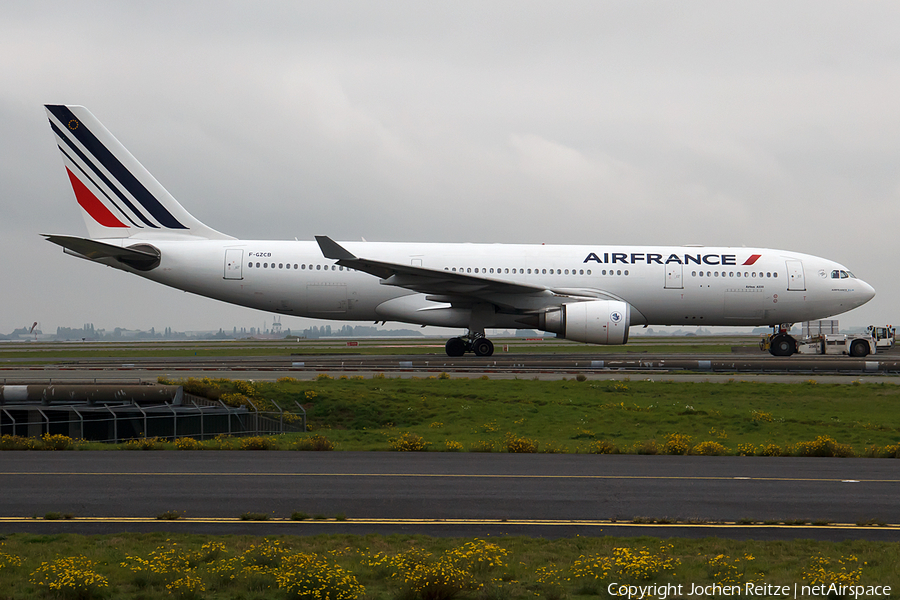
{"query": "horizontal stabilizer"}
[(142, 256)]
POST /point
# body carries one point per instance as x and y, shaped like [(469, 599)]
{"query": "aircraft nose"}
[(865, 292)]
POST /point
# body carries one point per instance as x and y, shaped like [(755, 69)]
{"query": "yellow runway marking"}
[(448, 475), (480, 522)]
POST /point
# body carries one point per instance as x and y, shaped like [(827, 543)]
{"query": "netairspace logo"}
[(756, 590)]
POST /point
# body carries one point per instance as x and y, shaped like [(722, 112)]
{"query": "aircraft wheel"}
[(455, 347), (783, 345), (859, 349), (483, 347)]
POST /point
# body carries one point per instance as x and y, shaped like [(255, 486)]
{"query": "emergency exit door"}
[(234, 261), (674, 272), (796, 280)]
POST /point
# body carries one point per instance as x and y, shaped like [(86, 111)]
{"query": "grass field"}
[(403, 567), (580, 416)]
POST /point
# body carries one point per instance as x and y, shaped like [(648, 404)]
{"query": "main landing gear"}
[(477, 344)]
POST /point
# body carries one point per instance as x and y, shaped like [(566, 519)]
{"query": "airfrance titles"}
[(651, 258)]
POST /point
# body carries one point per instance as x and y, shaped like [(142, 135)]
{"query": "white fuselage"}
[(664, 285)]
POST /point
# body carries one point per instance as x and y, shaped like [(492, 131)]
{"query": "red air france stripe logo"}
[(753, 258), (92, 205)]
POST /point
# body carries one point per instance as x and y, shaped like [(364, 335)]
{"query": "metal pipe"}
[(227, 414), (202, 418), (256, 419), (138, 406), (303, 411), (174, 422), (82, 421), (115, 425), (45, 417), (282, 415)]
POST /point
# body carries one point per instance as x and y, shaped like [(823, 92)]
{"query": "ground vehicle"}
[(854, 344), (884, 336), (818, 339)]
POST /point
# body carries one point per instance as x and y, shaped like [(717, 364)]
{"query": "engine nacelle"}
[(591, 322)]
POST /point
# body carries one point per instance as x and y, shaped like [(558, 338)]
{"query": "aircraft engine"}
[(591, 322)]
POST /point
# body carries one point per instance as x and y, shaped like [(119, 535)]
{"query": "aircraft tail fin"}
[(119, 198)]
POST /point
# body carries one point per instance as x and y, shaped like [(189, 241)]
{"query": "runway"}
[(445, 494)]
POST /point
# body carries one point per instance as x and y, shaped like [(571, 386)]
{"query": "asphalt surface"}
[(678, 367), (451, 494)]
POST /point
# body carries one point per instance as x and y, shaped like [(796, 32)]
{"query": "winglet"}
[(333, 250)]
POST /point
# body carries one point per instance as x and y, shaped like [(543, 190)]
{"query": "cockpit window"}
[(836, 274)]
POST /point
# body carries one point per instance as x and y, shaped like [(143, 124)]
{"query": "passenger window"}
[(701, 273), (626, 273), (529, 271), (604, 272), (280, 265), (588, 271), (693, 273), (250, 265), (318, 267)]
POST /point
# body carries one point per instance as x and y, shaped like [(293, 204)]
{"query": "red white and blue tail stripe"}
[(118, 196)]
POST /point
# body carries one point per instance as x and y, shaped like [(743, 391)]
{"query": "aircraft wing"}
[(454, 287)]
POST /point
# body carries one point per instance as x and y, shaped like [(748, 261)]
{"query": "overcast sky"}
[(773, 124)]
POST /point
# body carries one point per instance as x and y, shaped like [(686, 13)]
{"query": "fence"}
[(195, 417)]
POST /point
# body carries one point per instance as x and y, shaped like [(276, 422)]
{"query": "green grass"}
[(564, 416), (570, 415), (523, 567)]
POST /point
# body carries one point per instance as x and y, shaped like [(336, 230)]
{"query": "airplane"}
[(592, 294)]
